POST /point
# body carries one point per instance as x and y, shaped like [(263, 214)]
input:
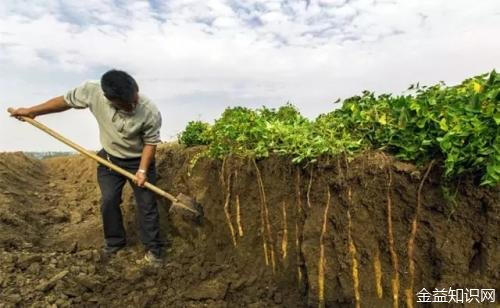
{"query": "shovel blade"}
[(188, 206)]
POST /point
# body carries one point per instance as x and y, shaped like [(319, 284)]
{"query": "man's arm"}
[(148, 153), (56, 104)]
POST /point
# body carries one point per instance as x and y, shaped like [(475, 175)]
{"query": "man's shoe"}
[(109, 251), (152, 259)]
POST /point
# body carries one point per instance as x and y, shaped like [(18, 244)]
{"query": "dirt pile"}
[(372, 230), (21, 179)]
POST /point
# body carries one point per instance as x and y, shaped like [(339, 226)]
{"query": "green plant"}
[(459, 125), (196, 133)]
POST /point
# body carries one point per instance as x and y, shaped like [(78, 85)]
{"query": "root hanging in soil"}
[(322, 262), (298, 234), (238, 216), (284, 242), (352, 252), (273, 259), (377, 268), (411, 240), (238, 208), (309, 188), (392, 250), (340, 175), (301, 211), (222, 173), (265, 218), (297, 245), (264, 246), (192, 162), (226, 209)]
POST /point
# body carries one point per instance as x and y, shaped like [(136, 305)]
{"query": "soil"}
[(335, 233)]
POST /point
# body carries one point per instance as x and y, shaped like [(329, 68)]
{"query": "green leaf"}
[(443, 125), (383, 119), (497, 118), (421, 122)]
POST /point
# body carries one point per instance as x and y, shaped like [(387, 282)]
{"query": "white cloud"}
[(197, 57)]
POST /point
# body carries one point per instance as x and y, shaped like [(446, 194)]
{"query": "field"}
[(363, 206)]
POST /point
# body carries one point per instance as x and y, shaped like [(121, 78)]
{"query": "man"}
[(129, 128)]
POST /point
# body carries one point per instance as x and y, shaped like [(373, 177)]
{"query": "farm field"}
[(366, 205)]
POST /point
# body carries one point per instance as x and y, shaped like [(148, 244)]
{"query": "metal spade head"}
[(188, 206)]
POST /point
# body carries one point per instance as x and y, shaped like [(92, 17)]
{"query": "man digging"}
[(129, 129)]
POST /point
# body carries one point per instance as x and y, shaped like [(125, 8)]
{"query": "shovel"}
[(182, 201)]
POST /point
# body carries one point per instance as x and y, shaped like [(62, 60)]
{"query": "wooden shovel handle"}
[(99, 159)]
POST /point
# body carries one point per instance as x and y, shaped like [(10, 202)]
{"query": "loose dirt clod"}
[(45, 286)]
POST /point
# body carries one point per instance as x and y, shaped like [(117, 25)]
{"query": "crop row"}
[(457, 125)]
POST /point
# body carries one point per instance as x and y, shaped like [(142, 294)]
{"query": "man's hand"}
[(56, 104), (148, 153), (140, 178), (22, 112)]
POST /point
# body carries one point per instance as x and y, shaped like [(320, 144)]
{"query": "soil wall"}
[(371, 231)]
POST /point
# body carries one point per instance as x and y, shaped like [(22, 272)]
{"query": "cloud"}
[(198, 57)]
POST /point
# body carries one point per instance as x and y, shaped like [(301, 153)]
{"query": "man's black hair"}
[(119, 85)]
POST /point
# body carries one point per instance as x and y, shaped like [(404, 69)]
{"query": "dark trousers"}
[(111, 184)]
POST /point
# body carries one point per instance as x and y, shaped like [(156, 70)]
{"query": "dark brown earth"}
[(291, 242)]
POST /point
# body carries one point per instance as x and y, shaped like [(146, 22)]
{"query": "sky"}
[(193, 58)]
